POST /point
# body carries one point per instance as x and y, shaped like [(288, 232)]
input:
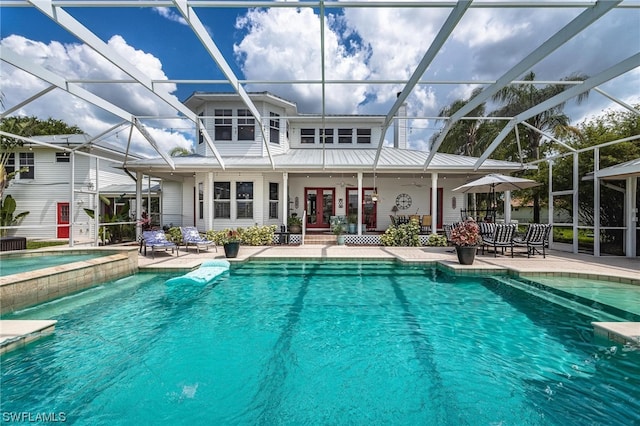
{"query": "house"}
[(246, 172), (44, 189)]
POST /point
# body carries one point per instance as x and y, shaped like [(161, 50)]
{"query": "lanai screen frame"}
[(55, 10)]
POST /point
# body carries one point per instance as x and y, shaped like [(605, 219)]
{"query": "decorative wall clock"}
[(403, 201)]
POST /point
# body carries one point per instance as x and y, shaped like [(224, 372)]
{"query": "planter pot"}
[(231, 249), (353, 228), (340, 239), (295, 229), (466, 254)]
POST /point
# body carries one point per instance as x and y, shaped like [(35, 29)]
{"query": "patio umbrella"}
[(496, 182)]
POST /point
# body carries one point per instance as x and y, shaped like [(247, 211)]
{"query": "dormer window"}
[(223, 124), (274, 127), (307, 135), (246, 125), (363, 135), (345, 135)]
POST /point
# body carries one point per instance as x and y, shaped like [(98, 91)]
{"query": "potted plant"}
[(230, 239), (466, 238), (294, 224), (352, 221), (338, 228)]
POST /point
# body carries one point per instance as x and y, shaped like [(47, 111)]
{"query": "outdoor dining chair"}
[(502, 237), (536, 236), (156, 240), (191, 237), (425, 226)]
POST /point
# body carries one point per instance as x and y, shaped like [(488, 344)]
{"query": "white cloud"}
[(169, 14), (77, 61)]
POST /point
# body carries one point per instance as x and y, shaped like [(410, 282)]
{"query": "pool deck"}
[(14, 334)]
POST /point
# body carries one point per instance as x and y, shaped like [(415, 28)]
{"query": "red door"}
[(320, 207), (439, 201), (63, 219)]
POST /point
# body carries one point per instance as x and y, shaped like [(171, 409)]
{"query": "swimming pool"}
[(320, 343), (10, 265)]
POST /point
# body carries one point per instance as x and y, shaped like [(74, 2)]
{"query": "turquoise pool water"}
[(321, 343), (15, 265)]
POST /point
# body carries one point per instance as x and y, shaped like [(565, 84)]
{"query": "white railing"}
[(304, 226)]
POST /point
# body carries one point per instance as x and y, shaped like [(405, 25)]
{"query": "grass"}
[(31, 245)]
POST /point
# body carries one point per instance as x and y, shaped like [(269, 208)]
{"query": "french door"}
[(320, 207), (369, 207)]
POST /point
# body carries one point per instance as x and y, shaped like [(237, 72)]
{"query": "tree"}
[(519, 98), (27, 127), (179, 151), (464, 136)]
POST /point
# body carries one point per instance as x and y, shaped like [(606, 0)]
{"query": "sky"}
[(268, 44)]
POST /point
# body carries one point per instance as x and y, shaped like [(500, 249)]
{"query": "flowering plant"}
[(226, 236), (467, 233)]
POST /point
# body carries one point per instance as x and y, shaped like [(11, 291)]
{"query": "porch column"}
[(631, 217), (434, 202), (285, 197), (359, 203), (208, 200), (72, 198), (507, 207), (139, 178)]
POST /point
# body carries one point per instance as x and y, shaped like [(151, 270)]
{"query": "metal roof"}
[(621, 171), (391, 160)]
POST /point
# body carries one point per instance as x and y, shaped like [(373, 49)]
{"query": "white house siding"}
[(283, 144), (266, 180), (172, 201), (50, 186)]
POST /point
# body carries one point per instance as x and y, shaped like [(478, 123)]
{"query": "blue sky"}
[(283, 43)]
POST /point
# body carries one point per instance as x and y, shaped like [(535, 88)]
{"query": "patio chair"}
[(191, 237), (393, 220), (502, 237), (487, 229), (156, 240), (425, 226), (537, 235)]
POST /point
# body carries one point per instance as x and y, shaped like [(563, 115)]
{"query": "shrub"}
[(259, 235), (225, 236), (436, 240), (174, 235), (405, 235)]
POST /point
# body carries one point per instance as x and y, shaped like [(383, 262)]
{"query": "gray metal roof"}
[(621, 171), (391, 159)]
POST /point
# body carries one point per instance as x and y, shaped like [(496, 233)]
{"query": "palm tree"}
[(179, 151), (519, 98), (464, 136)]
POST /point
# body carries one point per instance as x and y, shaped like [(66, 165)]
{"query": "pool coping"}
[(15, 334)]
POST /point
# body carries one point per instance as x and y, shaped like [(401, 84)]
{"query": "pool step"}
[(15, 334)]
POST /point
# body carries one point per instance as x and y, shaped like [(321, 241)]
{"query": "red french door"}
[(63, 219), (439, 201), (320, 207), (369, 207)]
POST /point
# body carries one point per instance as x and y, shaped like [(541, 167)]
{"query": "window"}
[(246, 125), (200, 200), (363, 135), (10, 167), (62, 157), (223, 124), (222, 200), (26, 161), (274, 127), (244, 200), (345, 135), (327, 134), (307, 135), (273, 200), (200, 130)]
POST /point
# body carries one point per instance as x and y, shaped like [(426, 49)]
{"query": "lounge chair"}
[(191, 237), (502, 237), (156, 240), (537, 235)]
